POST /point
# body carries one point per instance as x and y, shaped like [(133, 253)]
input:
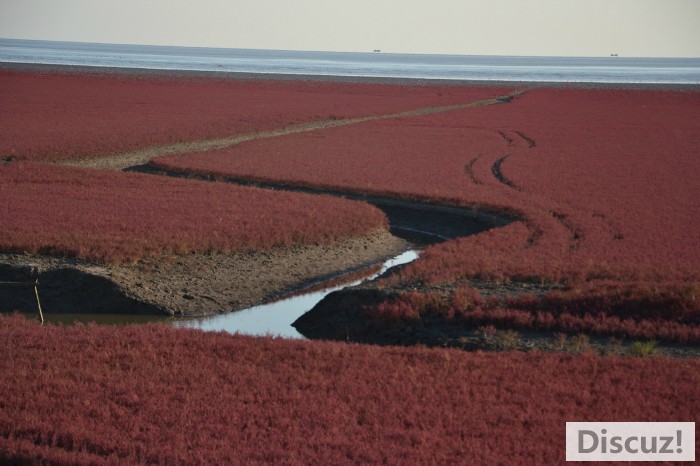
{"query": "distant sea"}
[(611, 69)]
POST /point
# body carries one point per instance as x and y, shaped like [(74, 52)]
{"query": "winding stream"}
[(418, 223)]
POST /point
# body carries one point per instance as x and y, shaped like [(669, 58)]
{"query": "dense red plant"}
[(615, 170), (132, 395), (668, 313), (604, 180), (64, 115), (117, 217), (406, 157), (650, 301)]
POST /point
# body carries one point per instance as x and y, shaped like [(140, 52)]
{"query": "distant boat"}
[(613, 54), (377, 50)]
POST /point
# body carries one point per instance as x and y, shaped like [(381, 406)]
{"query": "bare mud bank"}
[(192, 285)]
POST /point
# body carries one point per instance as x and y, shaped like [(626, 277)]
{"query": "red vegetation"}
[(62, 115), (407, 156), (96, 395), (611, 184), (650, 311), (605, 180), (117, 217)]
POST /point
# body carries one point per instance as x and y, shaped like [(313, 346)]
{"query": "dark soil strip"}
[(505, 137), (530, 142), (406, 219), (343, 316), (575, 233), (66, 289), (469, 170), (420, 222), (496, 170)]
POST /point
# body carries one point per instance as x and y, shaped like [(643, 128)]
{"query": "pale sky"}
[(647, 28)]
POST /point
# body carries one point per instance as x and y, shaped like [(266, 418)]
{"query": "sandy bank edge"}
[(192, 285)]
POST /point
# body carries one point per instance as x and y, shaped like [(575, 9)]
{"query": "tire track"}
[(469, 170), (614, 230), (496, 167), (575, 233), (505, 137), (535, 236), (496, 170), (530, 142)]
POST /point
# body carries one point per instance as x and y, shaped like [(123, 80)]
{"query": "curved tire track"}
[(469, 170), (575, 233), (505, 137), (496, 166), (530, 142), (496, 170)]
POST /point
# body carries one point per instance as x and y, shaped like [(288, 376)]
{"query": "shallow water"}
[(273, 318), (419, 224), (276, 318), (361, 64)]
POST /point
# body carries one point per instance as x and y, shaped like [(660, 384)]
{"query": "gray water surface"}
[(361, 64)]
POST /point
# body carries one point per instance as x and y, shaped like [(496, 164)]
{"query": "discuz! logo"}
[(630, 441)]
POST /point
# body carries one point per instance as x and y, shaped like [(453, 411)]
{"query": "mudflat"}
[(188, 285)]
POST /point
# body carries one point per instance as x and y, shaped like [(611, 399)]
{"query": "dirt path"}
[(141, 157)]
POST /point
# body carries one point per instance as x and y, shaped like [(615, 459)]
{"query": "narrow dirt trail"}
[(125, 160)]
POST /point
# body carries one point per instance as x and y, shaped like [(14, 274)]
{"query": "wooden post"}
[(38, 304), (35, 284)]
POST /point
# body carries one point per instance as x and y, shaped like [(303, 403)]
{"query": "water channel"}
[(420, 224), (276, 318)]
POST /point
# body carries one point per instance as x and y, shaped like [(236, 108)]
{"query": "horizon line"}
[(378, 51)]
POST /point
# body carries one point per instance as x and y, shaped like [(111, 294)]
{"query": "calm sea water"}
[(377, 64)]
